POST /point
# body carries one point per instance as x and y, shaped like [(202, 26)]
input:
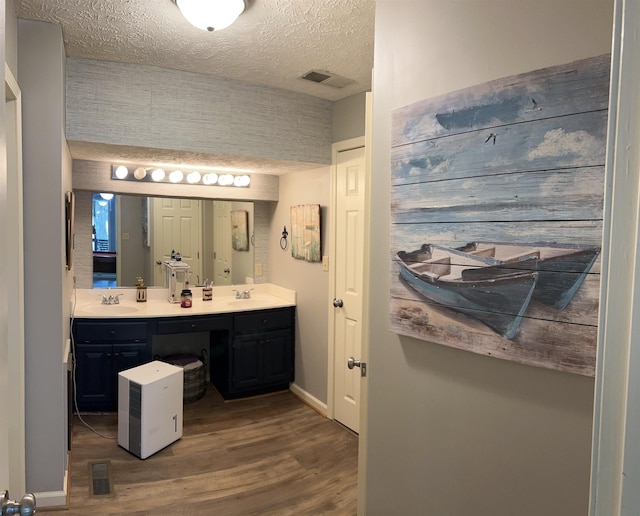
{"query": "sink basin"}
[(101, 309)]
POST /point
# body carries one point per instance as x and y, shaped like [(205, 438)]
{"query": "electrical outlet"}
[(258, 269), (325, 263), (125, 236)]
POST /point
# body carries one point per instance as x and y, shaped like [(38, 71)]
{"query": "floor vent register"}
[(100, 478)]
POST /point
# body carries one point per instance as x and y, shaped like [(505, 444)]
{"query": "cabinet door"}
[(93, 376), (277, 357), (125, 356), (245, 362)]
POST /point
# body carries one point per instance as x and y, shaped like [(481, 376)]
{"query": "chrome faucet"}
[(111, 299), (245, 294)]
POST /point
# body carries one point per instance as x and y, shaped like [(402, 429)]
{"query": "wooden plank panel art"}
[(496, 216)]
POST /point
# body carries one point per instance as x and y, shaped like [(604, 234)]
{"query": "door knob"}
[(338, 303), (25, 507), (352, 362)]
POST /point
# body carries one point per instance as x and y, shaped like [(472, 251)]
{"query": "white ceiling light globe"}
[(211, 14), (157, 174), (176, 176), (106, 196)]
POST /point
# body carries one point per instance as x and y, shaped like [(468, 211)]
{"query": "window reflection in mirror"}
[(141, 232)]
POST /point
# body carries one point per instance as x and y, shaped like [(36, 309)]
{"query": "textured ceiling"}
[(273, 42)]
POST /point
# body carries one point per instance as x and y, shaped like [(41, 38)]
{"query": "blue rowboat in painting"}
[(498, 301), (561, 269)]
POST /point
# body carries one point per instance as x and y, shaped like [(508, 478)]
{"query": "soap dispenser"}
[(141, 291)]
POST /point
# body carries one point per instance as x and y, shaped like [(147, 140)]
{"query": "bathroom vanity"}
[(251, 341)]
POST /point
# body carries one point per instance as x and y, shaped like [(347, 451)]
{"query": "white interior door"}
[(222, 242), (12, 379), (177, 225), (350, 197)]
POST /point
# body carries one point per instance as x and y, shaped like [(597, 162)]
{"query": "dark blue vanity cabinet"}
[(103, 348), (251, 352), (259, 357)]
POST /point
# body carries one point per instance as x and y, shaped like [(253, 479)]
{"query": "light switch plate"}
[(325, 263), (258, 269)]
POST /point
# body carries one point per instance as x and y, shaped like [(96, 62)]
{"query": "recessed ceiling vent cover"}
[(326, 78)]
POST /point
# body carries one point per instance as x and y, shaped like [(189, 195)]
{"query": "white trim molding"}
[(615, 469)]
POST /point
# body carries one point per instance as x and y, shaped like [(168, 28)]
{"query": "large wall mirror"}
[(133, 235)]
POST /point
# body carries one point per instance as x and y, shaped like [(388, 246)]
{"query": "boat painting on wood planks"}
[(496, 216)]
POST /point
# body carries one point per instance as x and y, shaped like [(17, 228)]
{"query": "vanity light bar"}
[(159, 175)]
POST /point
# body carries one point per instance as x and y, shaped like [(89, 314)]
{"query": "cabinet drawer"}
[(266, 320), (109, 331), (193, 324)]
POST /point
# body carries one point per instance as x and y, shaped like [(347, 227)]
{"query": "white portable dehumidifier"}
[(149, 407)]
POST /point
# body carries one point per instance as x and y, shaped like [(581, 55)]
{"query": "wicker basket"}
[(195, 374)]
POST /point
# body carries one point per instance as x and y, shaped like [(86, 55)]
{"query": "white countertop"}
[(87, 303)]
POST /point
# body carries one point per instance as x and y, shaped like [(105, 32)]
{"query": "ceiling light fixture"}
[(211, 15)]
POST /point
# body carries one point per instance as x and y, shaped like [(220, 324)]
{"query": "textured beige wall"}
[(450, 432)]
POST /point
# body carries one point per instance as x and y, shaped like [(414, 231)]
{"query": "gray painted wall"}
[(144, 106), (309, 281), (47, 175), (451, 432), (349, 117)]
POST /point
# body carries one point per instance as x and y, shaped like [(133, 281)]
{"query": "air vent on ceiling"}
[(326, 78)]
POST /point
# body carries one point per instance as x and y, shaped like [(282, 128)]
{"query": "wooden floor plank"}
[(270, 455)]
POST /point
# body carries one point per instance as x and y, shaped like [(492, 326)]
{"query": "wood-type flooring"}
[(270, 455)]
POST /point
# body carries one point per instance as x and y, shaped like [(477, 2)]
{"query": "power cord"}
[(73, 371)]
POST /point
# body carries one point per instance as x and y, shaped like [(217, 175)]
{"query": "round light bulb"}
[(157, 174), (176, 176), (140, 173), (193, 177), (210, 179), (106, 196), (225, 180), (122, 172)]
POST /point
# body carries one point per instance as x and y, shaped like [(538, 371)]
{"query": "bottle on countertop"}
[(141, 291), (186, 298), (207, 292)]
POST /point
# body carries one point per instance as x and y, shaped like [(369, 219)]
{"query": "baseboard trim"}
[(50, 499), (309, 399), (55, 498)]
